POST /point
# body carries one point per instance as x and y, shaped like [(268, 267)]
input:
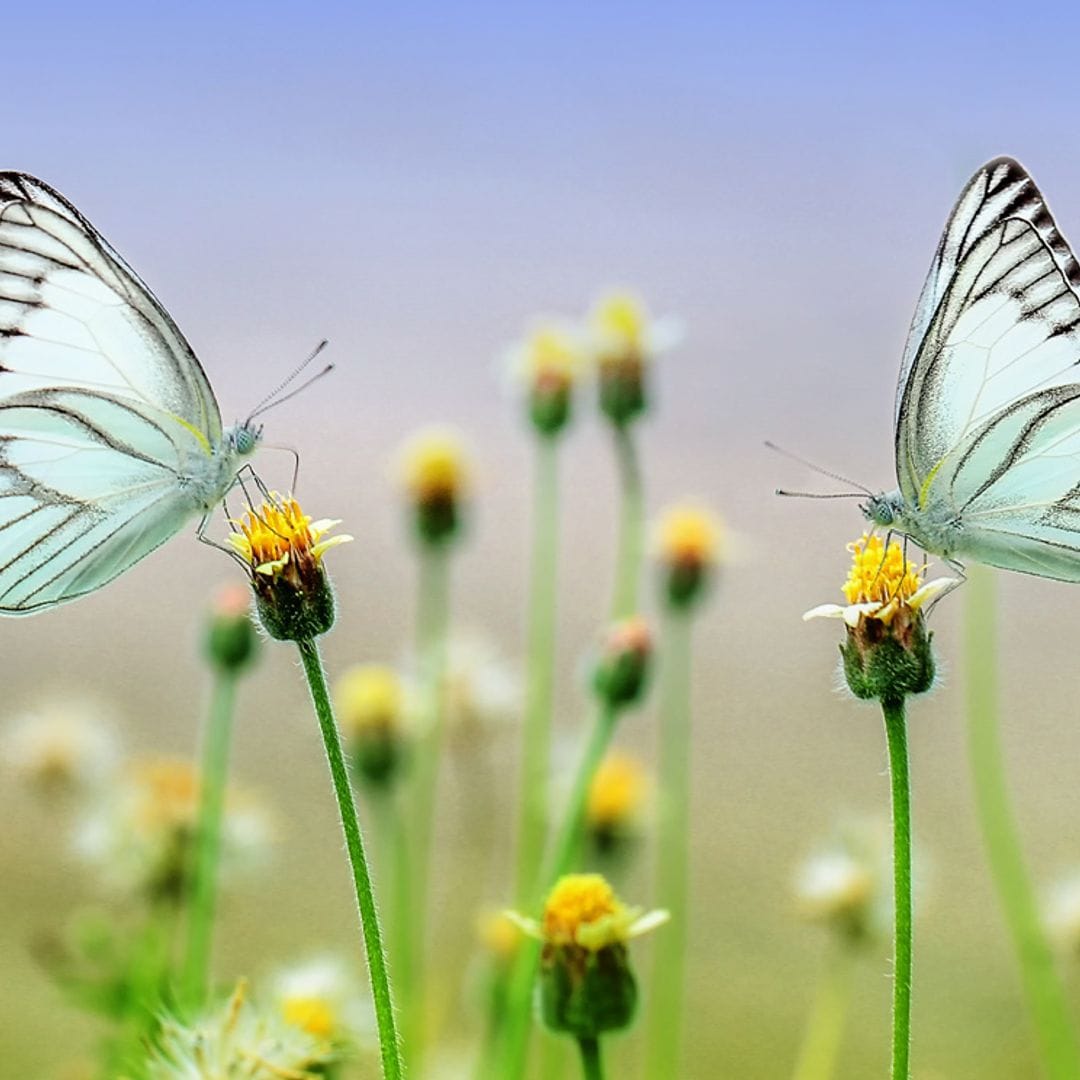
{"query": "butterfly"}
[(110, 436), (987, 419)]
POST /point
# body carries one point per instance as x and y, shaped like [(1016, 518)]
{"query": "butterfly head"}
[(885, 508), (243, 438)]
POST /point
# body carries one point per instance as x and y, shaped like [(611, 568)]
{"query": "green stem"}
[(433, 608), (1045, 994), (395, 840), (518, 1012), (354, 842), (592, 1067), (896, 736), (821, 1043), (664, 1037), (631, 525), (214, 773), (540, 668)]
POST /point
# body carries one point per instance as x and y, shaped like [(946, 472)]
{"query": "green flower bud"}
[(231, 640), (623, 667)]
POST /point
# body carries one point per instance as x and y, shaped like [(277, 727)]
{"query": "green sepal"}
[(586, 993)]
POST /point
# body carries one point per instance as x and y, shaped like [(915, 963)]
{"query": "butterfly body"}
[(987, 422), (110, 435)]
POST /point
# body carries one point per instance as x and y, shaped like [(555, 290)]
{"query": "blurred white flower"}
[(324, 999), (481, 691), (141, 830), (1061, 913), (845, 883), (60, 746), (237, 1041)]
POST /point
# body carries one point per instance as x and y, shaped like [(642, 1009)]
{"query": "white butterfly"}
[(988, 403), (110, 436)]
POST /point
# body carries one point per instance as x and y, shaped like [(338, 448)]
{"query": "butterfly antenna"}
[(863, 490), (268, 401), (275, 401), (820, 495)]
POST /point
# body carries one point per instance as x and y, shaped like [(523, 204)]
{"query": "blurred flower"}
[(500, 935), (321, 998), (616, 798), (887, 654), (845, 884), (688, 542), (549, 362), (283, 549), (435, 476), (481, 691), (587, 985), (237, 1040), (624, 340), (373, 709), (60, 747), (142, 831), (622, 666), (231, 637), (1061, 913)]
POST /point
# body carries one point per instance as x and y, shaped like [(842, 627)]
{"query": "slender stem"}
[(821, 1043), (664, 1037), (540, 669), (515, 1045), (395, 840), (215, 768), (896, 736), (592, 1067), (354, 842), (1044, 991), (433, 607), (631, 525)]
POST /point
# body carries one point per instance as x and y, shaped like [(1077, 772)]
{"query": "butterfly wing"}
[(105, 413), (987, 415)]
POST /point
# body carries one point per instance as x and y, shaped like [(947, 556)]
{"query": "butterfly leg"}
[(203, 538)]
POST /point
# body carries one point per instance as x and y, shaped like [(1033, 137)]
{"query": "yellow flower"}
[(617, 793), (236, 1039), (624, 339), (282, 549), (880, 583), (583, 910), (321, 998), (587, 986), (280, 540), (688, 534), (372, 707), (887, 653), (433, 465), (551, 354), (500, 934), (370, 698), (141, 831)]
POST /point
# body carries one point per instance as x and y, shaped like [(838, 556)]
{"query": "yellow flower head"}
[(310, 1014), (583, 910), (688, 535), (280, 540), (433, 466), (321, 998), (499, 934), (283, 548), (617, 792), (550, 356), (621, 320), (370, 697)]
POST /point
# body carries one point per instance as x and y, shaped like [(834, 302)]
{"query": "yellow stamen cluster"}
[(312, 1014), (617, 791), (620, 320), (370, 697), (583, 910), (168, 793), (433, 467), (280, 538), (689, 536), (879, 575), (551, 356)]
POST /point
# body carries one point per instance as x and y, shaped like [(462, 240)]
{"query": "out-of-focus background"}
[(414, 184)]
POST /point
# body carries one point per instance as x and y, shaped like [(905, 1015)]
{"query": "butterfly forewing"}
[(988, 407), (108, 426)]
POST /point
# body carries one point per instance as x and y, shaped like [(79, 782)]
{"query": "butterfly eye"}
[(245, 440)]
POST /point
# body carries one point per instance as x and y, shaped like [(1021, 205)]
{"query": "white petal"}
[(931, 589), (648, 922), (824, 611)]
